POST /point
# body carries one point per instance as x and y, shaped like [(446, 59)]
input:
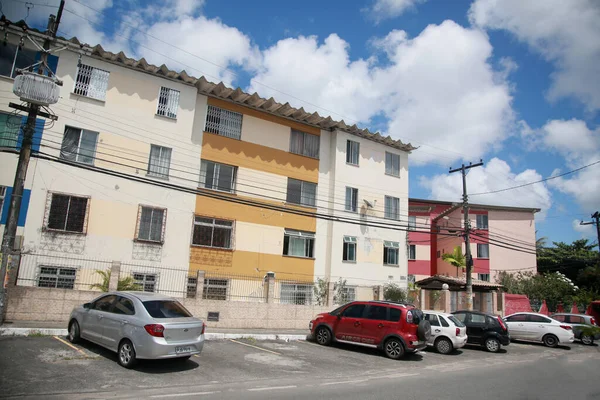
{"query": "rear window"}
[(395, 314), (166, 309), (456, 321)]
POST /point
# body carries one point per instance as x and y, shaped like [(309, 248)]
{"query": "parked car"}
[(584, 326), (539, 328), (484, 329), (392, 327), (138, 325), (447, 332)]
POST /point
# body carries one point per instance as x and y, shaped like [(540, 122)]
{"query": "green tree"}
[(340, 292), (124, 284), (393, 292), (320, 290), (571, 259), (456, 258), (540, 243)]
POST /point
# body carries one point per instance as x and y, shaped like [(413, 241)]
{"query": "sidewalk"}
[(27, 328)]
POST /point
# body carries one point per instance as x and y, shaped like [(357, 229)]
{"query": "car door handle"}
[(124, 322), (437, 331), (100, 317), (381, 326), (357, 323)]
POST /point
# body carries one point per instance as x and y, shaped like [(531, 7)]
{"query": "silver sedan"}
[(138, 325)]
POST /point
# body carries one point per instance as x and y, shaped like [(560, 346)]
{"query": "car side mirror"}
[(339, 316), (87, 306)]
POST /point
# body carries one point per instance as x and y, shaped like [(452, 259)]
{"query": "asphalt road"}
[(46, 367)]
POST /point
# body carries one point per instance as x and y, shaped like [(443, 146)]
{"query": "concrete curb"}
[(207, 336)]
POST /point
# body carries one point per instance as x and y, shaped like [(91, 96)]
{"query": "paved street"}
[(35, 367)]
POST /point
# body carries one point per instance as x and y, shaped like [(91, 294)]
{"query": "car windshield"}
[(166, 309), (455, 321)]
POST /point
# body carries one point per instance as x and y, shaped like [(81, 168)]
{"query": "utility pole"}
[(596, 217), (14, 207), (469, 258)]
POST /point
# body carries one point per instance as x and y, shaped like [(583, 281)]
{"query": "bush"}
[(393, 292)]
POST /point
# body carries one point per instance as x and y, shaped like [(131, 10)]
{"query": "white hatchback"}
[(447, 332), (539, 328)]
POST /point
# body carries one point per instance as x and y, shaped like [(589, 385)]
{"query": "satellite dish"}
[(368, 203)]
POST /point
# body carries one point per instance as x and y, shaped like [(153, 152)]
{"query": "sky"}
[(514, 83)]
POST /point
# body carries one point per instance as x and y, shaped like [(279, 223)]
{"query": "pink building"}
[(502, 239)]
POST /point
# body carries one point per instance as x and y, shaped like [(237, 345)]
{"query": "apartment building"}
[(240, 185), (502, 238)]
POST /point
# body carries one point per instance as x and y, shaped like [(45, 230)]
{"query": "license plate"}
[(183, 349)]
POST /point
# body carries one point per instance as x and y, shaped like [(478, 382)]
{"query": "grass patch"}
[(35, 333)]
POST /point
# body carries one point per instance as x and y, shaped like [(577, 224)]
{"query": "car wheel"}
[(126, 354), (492, 345), (444, 346), (587, 339), (394, 349), (550, 340), (323, 336), (74, 332)]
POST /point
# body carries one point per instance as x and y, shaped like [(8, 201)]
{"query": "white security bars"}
[(91, 82), (168, 102), (223, 122), (160, 161)]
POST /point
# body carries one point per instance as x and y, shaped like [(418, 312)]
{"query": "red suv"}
[(392, 327)]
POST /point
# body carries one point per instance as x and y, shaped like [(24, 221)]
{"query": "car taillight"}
[(155, 330), (409, 317), (502, 324), (457, 331), (593, 321), (567, 327), (203, 328)]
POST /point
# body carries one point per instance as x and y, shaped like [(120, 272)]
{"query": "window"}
[(433, 319), (57, 277), (354, 311), (123, 306), (457, 321), (298, 244), (574, 319), (443, 321), (390, 252), (301, 192), (168, 102), (67, 213), (517, 318), (91, 82), (79, 145), (377, 312), (224, 122), (166, 309), (300, 294), (346, 294), (412, 223), (412, 252), (395, 314), (217, 176), (349, 252), (483, 250), (483, 277), (104, 303), (538, 319), (212, 232), (352, 152), (461, 317), (304, 144), (559, 318), (159, 162), (145, 282), (478, 318), (10, 126), (392, 164), (351, 199), (13, 57), (215, 289), (192, 284), (151, 224), (482, 221), (392, 208)]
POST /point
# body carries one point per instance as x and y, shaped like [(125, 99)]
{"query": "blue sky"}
[(514, 83)]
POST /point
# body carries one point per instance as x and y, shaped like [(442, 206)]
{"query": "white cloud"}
[(494, 175), (412, 89), (578, 145), (563, 32), (387, 9), (586, 231)]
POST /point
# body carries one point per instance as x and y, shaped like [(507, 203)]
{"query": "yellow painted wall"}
[(245, 263), (249, 155)]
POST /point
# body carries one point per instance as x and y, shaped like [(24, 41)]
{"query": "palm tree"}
[(124, 284), (540, 243), (456, 258)]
